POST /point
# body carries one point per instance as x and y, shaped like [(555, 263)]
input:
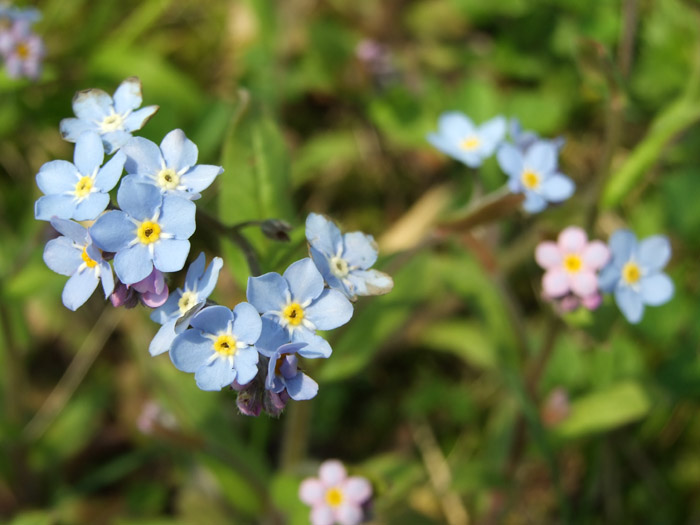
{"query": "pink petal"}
[(555, 282), (572, 239), (584, 283), (348, 514), (548, 255), (596, 255), (311, 491), (332, 472), (357, 489), (322, 515), (592, 301)]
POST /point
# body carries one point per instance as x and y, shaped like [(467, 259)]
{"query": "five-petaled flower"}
[(21, 49), (635, 273), (334, 497), (114, 119), (219, 348), (345, 260), (461, 139)]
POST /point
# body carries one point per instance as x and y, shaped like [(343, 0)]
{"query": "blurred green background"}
[(440, 392)]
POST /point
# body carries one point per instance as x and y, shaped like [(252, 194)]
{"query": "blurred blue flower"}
[(458, 137), (114, 119), (78, 191), (299, 303), (27, 14), (75, 255), (172, 168), (523, 139), (344, 260), (183, 303), (219, 348), (152, 230), (535, 174), (635, 274), (21, 49)]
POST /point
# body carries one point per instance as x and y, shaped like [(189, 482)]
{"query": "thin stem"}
[(296, 430)]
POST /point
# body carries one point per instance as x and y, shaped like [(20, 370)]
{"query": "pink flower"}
[(333, 496), (571, 265)]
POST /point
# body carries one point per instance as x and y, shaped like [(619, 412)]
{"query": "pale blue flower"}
[(150, 230), (635, 273), (183, 303), (220, 347), (299, 303), (21, 49), (461, 139), (78, 191), (535, 174), (172, 168), (75, 255), (114, 119), (345, 260)]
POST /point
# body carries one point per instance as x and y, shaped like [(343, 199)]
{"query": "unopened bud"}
[(276, 229)]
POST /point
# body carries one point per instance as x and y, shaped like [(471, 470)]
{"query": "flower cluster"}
[(20, 48), (578, 271)]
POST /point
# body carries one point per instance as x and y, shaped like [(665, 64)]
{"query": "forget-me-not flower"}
[(150, 230), (635, 273), (299, 302), (78, 191), (461, 139), (75, 255), (535, 174), (199, 284), (523, 139), (22, 49), (219, 348), (345, 260), (114, 119), (172, 168)]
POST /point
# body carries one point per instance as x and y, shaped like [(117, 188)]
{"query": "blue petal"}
[(623, 245), (114, 140), (200, 177), (268, 292), (557, 188), (48, 206), (491, 134), (609, 277), (246, 324), (139, 200), (169, 255), (72, 128), (371, 282), (132, 264), (89, 208), (62, 257), (89, 153), (360, 249), (128, 97), (79, 288), (178, 216), (322, 264), (656, 289), (630, 303), (301, 387), (207, 283), (109, 174), (654, 252), (273, 382), (272, 336), (317, 346), (57, 176), (213, 319), (331, 310), (74, 231), (305, 281), (215, 376), (195, 271), (323, 235), (510, 160), (138, 119), (163, 339), (106, 277), (534, 202), (169, 311), (92, 104), (246, 364), (113, 231), (179, 152), (455, 126), (142, 156), (190, 350), (541, 157)]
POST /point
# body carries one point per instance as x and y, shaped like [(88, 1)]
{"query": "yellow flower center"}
[(168, 179), (572, 263), (22, 50), (631, 272), (186, 302), (148, 232), (83, 187), (334, 497), (89, 262), (112, 122), (225, 345), (294, 314), (470, 143), (530, 179)]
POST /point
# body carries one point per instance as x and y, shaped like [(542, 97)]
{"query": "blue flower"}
[(524, 139), (172, 168), (181, 304), (344, 260), (219, 348), (114, 119), (26, 14), (634, 273), (21, 49), (78, 191), (534, 173), (299, 303), (152, 230), (75, 255), (459, 138)]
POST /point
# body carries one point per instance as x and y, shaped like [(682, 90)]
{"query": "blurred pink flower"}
[(334, 497), (571, 266)]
